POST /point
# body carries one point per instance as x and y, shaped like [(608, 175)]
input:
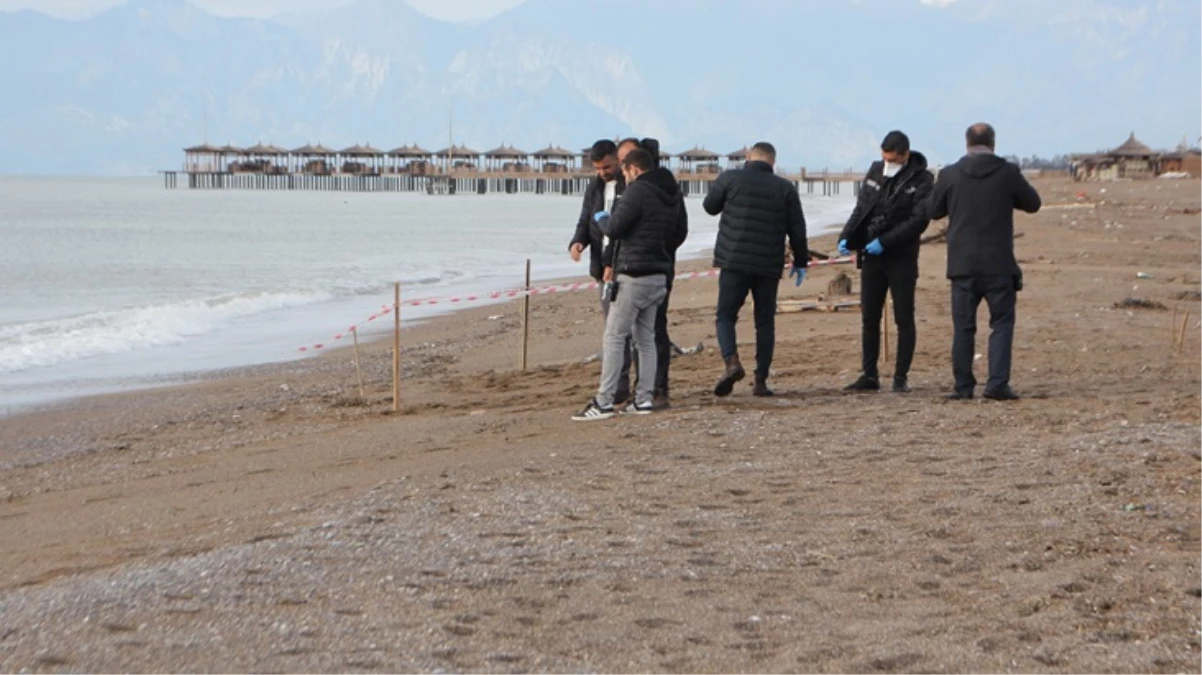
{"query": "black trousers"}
[(896, 276), (663, 344), (1000, 293), (733, 287)]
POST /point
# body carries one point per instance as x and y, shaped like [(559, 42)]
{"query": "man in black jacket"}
[(640, 227), (759, 209), (886, 225), (663, 343), (600, 195), (980, 193)]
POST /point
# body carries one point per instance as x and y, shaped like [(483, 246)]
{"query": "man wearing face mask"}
[(885, 228)]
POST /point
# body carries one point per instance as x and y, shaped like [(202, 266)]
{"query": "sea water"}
[(110, 284)]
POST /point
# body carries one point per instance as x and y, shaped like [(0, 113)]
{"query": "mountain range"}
[(122, 92)]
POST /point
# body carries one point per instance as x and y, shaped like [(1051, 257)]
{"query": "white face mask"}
[(892, 169)]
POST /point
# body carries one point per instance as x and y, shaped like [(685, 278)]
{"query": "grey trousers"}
[(632, 313), (628, 358)]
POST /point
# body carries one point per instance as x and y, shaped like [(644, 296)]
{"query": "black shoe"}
[(1003, 394), (734, 373), (900, 385), (661, 401), (761, 388), (959, 396), (865, 383)]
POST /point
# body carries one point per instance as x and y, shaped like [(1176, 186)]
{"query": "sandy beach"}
[(269, 520)]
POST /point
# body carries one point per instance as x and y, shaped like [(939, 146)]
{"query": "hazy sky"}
[(451, 10)]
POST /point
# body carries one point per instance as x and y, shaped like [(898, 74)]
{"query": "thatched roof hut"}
[(553, 152), (457, 151), (503, 152), (414, 151), (361, 151), (203, 148), (261, 149), (1132, 148), (698, 155), (309, 150)]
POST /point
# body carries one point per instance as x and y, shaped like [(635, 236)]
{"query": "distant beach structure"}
[(455, 169), (1133, 159)]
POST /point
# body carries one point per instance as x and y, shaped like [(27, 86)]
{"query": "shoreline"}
[(132, 384)]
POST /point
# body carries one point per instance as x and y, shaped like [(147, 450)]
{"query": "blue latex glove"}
[(874, 247), (798, 274), (843, 250), (599, 215)]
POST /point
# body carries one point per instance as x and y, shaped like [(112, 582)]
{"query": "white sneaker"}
[(592, 411), (638, 409)]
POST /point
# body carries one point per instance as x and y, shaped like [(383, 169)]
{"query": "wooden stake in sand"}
[(1181, 336), (526, 319), (1173, 328), (885, 319), (358, 369), (396, 347)]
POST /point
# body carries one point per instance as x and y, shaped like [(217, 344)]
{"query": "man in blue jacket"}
[(980, 193)]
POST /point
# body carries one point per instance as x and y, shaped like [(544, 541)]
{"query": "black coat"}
[(648, 225), (587, 233), (980, 193), (890, 209), (759, 209)]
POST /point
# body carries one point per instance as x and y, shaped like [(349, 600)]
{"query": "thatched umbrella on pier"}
[(414, 156), (689, 157), (361, 152), (500, 157), (737, 157), (313, 158), (548, 159), (203, 158), (264, 158), (469, 157)]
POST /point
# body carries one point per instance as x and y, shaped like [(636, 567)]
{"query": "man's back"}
[(980, 193), (758, 210)]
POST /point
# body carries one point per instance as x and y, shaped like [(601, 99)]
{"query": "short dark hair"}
[(631, 139), (980, 134), (764, 148), (651, 145), (896, 141), (602, 149), (640, 158)]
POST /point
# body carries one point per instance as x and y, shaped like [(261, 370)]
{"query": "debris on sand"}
[(840, 285), (1138, 303)]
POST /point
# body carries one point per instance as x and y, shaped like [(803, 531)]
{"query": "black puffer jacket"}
[(648, 225), (759, 209), (890, 209), (980, 193), (587, 233)]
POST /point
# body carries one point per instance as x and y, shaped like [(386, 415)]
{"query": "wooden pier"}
[(468, 182), (454, 170)]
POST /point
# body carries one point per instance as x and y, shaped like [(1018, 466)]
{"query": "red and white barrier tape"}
[(514, 293)]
